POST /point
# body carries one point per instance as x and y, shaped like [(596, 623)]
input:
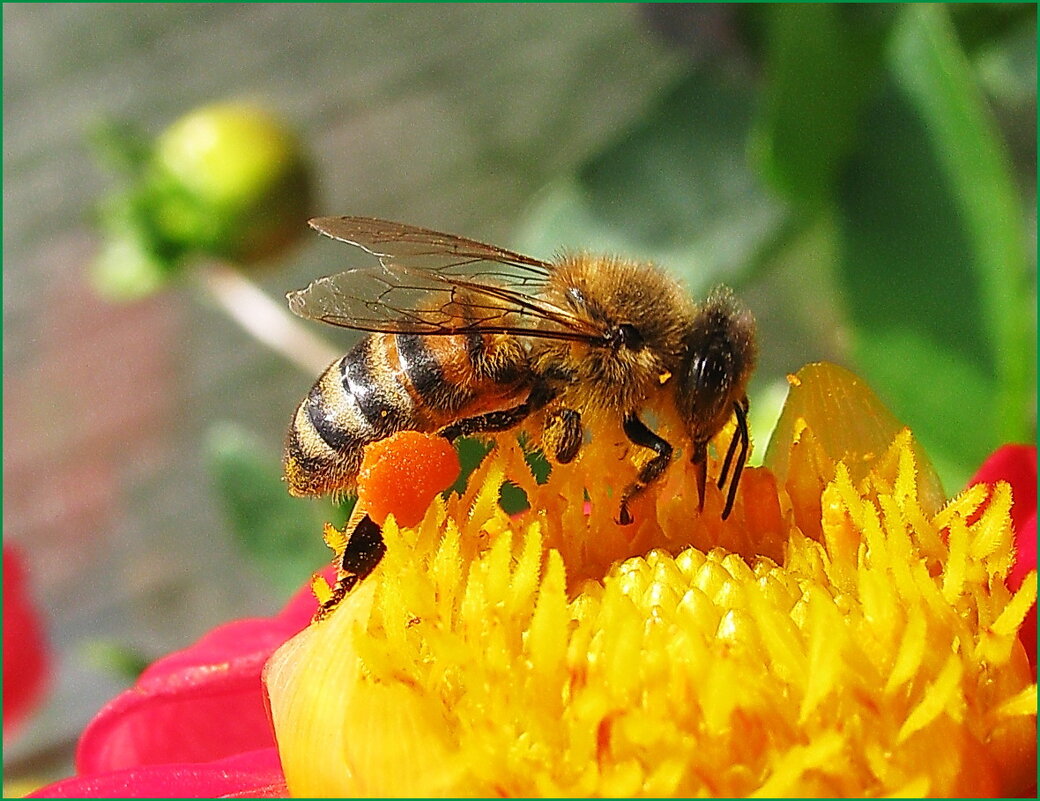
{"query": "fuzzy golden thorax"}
[(648, 312)]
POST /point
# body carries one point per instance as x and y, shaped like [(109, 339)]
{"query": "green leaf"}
[(675, 189), (823, 61), (512, 499), (117, 659), (979, 24), (282, 535), (471, 453), (932, 254), (931, 68)]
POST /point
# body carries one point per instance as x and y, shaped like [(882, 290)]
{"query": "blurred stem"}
[(265, 320)]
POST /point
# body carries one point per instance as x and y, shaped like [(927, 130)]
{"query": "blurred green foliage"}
[(864, 172), (860, 144), (279, 533)]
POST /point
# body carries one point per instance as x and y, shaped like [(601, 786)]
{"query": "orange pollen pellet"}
[(403, 473)]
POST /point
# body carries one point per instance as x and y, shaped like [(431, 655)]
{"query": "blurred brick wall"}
[(447, 116)]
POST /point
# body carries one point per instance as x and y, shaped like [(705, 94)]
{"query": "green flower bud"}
[(230, 180), (128, 269)]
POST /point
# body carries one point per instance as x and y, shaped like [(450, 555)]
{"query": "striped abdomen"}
[(394, 382)]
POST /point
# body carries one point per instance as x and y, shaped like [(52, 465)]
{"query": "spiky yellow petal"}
[(852, 634)]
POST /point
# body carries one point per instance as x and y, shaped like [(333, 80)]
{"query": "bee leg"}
[(639, 434), (487, 423), (344, 585), (740, 409), (363, 552), (562, 435), (365, 548), (501, 420)]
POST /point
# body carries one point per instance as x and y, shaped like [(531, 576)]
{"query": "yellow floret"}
[(872, 650)]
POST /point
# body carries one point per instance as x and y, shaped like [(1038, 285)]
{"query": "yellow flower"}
[(845, 632)]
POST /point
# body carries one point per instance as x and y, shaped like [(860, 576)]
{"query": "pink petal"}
[(26, 663), (256, 774), (199, 704)]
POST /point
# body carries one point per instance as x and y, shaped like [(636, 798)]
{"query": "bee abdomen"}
[(422, 371), (389, 383), (357, 400), (370, 377), (454, 376)]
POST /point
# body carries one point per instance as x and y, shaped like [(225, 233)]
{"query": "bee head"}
[(719, 356)]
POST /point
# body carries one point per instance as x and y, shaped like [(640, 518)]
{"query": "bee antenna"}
[(745, 440), (729, 454)]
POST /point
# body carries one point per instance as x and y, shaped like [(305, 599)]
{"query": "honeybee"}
[(467, 338)]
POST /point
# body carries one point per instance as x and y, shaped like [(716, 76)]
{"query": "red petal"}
[(1016, 464), (1025, 540), (1025, 551), (199, 704), (25, 657), (256, 774)]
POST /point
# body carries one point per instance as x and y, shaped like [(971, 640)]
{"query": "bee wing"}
[(421, 248), (433, 283)]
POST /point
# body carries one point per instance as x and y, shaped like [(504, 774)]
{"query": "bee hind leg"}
[(362, 554), (639, 434), (502, 420), (486, 423)]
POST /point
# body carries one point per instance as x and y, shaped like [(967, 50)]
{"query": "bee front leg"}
[(743, 437), (699, 459), (639, 434)]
